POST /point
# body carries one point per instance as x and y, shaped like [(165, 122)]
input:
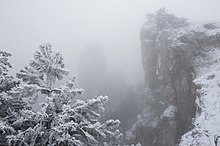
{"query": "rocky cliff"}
[(170, 51), (206, 127)]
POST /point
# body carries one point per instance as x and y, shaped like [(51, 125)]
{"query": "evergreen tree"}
[(59, 122), (164, 20), (6, 81), (8, 106)]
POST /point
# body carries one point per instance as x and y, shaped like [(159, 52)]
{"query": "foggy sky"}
[(70, 25)]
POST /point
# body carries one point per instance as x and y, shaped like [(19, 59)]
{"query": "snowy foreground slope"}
[(207, 123)]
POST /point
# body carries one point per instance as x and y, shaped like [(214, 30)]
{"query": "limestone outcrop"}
[(170, 48)]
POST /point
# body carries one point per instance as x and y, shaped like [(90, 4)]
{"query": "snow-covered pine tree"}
[(8, 106), (59, 122), (163, 20), (6, 81), (40, 75)]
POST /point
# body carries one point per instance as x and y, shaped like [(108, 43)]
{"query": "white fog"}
[(154, 59)]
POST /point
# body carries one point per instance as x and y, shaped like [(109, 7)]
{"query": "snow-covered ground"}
[(207, 122)]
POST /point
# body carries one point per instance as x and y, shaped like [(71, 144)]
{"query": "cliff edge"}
[(175, 56)]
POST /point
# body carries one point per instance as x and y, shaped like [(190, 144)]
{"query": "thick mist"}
[(104, 44), (98, 39), (73, 25)]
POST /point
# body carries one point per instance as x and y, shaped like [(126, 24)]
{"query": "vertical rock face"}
[(168, 57), (169, 72)]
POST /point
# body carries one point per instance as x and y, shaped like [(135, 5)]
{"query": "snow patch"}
[(207, 123), (169, 112)]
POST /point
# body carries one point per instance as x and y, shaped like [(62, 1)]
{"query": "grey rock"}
[(168, 61)]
